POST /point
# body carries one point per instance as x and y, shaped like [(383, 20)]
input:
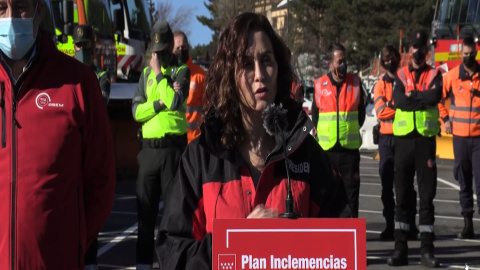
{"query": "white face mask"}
[(16, 36)]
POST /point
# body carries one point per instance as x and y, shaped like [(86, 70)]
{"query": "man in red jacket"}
[(57, 171)]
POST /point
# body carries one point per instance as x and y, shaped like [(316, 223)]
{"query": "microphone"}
[(275, 123)]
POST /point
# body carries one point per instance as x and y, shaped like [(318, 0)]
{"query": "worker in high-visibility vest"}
[(338, 113), (197, 80), (417, 91), (84, 44), (161, 110), (385, 111), (462, 86)]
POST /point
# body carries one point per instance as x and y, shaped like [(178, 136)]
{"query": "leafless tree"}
[(178, 19)]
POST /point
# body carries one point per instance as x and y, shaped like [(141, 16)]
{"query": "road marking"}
[(120, 266), (123, 213), (436, 216), (448, 183), (434, 200), (117, 240)]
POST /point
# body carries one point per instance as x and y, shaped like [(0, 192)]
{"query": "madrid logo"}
[(226, 261)]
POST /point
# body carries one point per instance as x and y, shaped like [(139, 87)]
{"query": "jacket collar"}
[(462, 74), (299, 127)]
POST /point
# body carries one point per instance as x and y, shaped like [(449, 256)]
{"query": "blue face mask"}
[(16, 36)]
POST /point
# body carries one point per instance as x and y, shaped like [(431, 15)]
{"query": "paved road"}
[(117, 240)]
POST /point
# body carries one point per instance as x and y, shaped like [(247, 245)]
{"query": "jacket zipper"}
[(14, 176), (80, 250), (2, 105), (471, 107)]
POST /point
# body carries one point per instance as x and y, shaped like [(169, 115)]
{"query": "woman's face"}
[(258, 76)]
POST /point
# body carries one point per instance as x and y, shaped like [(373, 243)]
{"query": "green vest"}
[(338, 116), (166, 121), (425, 121)]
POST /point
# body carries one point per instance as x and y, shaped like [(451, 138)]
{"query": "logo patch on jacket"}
[(326, 92), (302, 167), (43, 100), (324, 83)]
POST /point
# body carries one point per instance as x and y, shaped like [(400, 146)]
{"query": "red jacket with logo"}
[(57, 173), (212, 182)]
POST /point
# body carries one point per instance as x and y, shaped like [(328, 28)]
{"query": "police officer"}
[(417, 92), (385, 111), (84, 43), (462, 86), (338, 113), (197, 81), (161, 110)]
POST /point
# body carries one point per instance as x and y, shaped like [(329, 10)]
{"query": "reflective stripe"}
[(381, 108), (351, 116), (323, 138), (430, 124), (192, 109), (352, 137), (401, 123), (378, 99), (193, 126), (466, 120), (426, 228), (356, 90), (402, 226), (387, 121), (464, 109)]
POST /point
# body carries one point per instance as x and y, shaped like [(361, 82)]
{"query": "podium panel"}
[(305, 243)]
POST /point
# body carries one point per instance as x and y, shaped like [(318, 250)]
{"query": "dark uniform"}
[(417, 92), (85, 52), (161, 110)]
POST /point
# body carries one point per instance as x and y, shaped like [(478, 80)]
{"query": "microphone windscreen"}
[(275, 119)]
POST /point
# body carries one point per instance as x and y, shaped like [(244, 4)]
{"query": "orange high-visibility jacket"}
[(382, 93), (195, 100), (464, 95)]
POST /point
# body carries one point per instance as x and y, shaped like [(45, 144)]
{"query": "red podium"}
[(305, 243)]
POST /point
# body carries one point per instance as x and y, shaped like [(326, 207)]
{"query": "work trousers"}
[(347, 163), (415, 154), (386, 149), (157, 168), (467, 167)]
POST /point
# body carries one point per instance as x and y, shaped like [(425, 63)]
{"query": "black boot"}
[(400, 255), (467, 232), (387, 234), (426, 249)]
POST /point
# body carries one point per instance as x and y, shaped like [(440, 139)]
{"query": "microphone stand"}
[(290, 213)]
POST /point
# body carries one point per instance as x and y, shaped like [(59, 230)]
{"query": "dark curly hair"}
[(222, 79)]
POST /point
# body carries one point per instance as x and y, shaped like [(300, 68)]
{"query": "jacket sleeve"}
[(314, 112), (182, 241), (361, 107), (432, 96), (144, 109), (104, 82), (98, 159), (172, 99), (384, 110), (327, 191), (419, 100), (447, 90)]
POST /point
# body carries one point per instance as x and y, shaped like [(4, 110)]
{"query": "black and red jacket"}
[(212, 182)]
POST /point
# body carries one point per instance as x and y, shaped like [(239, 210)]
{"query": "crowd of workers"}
[(204, 150)]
